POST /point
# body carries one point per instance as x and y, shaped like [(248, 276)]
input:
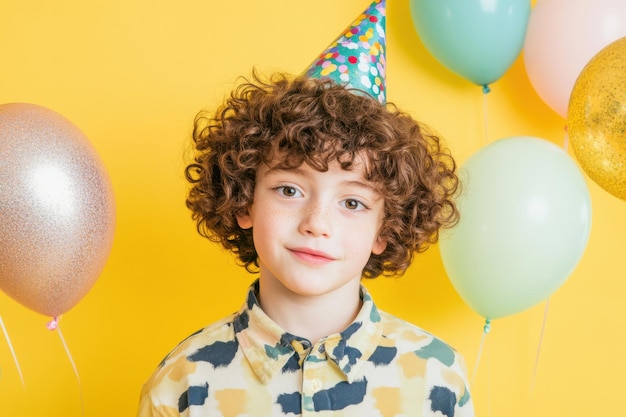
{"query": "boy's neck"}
[(311, 317)]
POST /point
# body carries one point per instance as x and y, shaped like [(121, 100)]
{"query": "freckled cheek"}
[(358, 242), (270, 218)]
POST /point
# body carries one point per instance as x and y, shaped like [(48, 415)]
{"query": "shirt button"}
[(316, 385)]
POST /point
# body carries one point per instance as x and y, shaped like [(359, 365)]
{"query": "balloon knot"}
[(487, 327), (53, 324), (486, 89)]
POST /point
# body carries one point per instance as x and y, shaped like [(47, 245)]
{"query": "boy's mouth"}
[(312, 255)]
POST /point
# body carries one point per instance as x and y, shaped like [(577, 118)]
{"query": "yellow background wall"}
[(132, 74)]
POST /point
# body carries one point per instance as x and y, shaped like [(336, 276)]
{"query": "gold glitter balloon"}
[(57, 210), (596, 118)]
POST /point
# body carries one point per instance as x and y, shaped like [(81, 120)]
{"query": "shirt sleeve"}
[(147, 408), (464, 406), (447, 390)]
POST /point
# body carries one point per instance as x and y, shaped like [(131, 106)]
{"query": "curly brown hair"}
[(312, 121)]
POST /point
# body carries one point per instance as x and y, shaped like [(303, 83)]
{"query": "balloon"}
[(57, 210), (525, 222), (478, 40), (562, 36), (597, 118)]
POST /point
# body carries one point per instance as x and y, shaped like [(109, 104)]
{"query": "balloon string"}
[(486, 329), (486, 91), (543, 328), (17, 364), (54, 325), (488, 386)]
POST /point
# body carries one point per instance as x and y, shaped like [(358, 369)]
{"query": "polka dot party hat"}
[(356, 58)]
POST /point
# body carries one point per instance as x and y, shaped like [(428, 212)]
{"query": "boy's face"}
[(314, 231)]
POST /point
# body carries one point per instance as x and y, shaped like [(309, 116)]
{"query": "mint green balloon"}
[(525, 222), (477, 39)]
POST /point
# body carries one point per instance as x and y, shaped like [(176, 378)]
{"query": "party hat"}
[(356, 58)]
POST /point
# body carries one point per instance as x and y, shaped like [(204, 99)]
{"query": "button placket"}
[(316, 385), (312, 383)]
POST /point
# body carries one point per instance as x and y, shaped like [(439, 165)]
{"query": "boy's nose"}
[(316, 220)]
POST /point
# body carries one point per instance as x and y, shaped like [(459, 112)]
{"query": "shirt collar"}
[(269, 349)]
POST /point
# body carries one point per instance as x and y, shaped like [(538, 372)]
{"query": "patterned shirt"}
[(246, 365)]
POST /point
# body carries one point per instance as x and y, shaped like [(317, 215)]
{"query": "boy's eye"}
[(288, 191), (353, 204)]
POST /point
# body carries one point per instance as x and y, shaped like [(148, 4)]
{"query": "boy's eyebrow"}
[(278, 168), (351, 182), (362, 184)]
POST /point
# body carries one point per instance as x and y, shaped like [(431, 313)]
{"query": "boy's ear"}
[(244, 220), (379, 245)]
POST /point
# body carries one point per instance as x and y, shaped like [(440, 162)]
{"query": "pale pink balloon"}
[(57, 210), (562, 36)]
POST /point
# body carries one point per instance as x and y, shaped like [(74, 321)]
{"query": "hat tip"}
[(357, 57)]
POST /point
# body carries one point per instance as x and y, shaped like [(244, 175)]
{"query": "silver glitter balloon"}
[(57, 210)]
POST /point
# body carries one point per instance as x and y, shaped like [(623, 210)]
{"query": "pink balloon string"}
[(54, 325), (8, 339)]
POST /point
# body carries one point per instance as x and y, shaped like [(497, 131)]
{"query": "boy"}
[(315, 187)]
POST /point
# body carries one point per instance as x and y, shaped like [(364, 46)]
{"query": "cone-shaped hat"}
[(356, 58)]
